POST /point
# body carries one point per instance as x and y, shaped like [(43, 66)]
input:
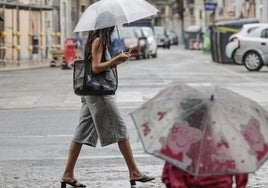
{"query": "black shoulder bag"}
[(85, 82)]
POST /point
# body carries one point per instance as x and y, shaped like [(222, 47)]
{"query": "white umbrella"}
[(107, 13)]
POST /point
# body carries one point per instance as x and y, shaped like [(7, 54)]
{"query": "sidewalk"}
[(24, 65), (94, 172)]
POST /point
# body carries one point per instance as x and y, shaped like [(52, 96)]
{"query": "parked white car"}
[(232, 45), (149, 33), (253, 49)]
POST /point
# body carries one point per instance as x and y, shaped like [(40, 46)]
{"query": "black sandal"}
[(142, 179), (72, 183)]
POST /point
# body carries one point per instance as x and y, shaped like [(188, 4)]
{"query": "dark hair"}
[(104, 35)]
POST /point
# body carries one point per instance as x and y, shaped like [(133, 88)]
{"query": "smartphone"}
[(130, 50)]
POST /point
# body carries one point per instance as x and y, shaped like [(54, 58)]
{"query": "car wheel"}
[(138, 58), (144, 56), (253, 61), (154, 55), (147, 54)]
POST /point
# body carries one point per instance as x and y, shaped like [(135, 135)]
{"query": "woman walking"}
[(99, 116)]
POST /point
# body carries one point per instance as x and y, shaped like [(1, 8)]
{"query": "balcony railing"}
[(25, 5)]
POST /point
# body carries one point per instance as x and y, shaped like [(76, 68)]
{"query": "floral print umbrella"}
[(204, 130)]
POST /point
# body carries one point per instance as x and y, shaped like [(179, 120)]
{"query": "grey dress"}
[(100, 119)]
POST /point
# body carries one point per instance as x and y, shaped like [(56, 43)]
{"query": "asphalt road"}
[(38, 113)]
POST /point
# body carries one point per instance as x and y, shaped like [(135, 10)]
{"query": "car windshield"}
[(257, 32), (159, 30), (138, 33), (194, 28), (126, 33), (244, 31), (148, 31), (171, 33), (252, 29), (264, 33)]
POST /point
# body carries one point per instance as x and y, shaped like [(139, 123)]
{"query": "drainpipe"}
[(18, 34), (41, 35), (13, 33)]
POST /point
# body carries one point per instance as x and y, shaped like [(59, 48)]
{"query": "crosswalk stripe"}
[(22, 101), (124, 97)]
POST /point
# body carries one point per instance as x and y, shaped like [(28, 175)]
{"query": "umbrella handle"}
[(117, 32), (212, 97)]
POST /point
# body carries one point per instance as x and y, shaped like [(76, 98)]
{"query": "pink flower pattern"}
[(251, 133)]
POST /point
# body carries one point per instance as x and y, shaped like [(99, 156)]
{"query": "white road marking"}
[(45, 136), (129, 96), (22, 101)]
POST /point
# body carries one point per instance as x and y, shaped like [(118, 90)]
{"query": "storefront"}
[(23, 30)]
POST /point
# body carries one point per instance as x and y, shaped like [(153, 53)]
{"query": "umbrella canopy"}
[(205, 130), (107, 13)]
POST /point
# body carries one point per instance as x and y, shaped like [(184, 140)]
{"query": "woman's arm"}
[(97, 65)]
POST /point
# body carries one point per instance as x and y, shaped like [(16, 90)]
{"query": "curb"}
[(23, 66)]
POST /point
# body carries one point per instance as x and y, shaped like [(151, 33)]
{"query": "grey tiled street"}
[(39, 113)]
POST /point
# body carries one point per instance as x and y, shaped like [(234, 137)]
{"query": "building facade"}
[(196, 14), (30, 29), (23, 28)]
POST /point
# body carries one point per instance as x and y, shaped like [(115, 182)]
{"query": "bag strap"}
[(114, 68)]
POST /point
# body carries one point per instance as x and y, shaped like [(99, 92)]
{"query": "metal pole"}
[(59, 20), (181, 13), (30, 36), (41, 38), (12, 28), (205, 13), (18, 30), (46, 34), (3, 39)]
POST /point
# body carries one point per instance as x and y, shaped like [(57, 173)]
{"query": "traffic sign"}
[(210, 6)]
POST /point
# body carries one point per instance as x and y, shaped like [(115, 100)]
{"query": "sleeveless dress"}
[(100, 120)]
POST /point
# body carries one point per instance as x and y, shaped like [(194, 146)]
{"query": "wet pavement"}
[(34, 147), (24, 65), (94, 172)]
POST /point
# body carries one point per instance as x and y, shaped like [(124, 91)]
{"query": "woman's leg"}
[(126, 151), (74, 151)]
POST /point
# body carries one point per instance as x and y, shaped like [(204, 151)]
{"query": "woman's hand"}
[(122, 57)]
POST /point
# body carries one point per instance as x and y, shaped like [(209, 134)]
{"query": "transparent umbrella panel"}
[(107, 13), (204, 130)]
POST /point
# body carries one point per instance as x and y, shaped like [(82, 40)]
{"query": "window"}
[(200, 14), (190, 1), (264, 33), (83, 7), (47, 2), (251, 29)]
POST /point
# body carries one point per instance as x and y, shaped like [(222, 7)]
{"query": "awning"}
[(33, 7)]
